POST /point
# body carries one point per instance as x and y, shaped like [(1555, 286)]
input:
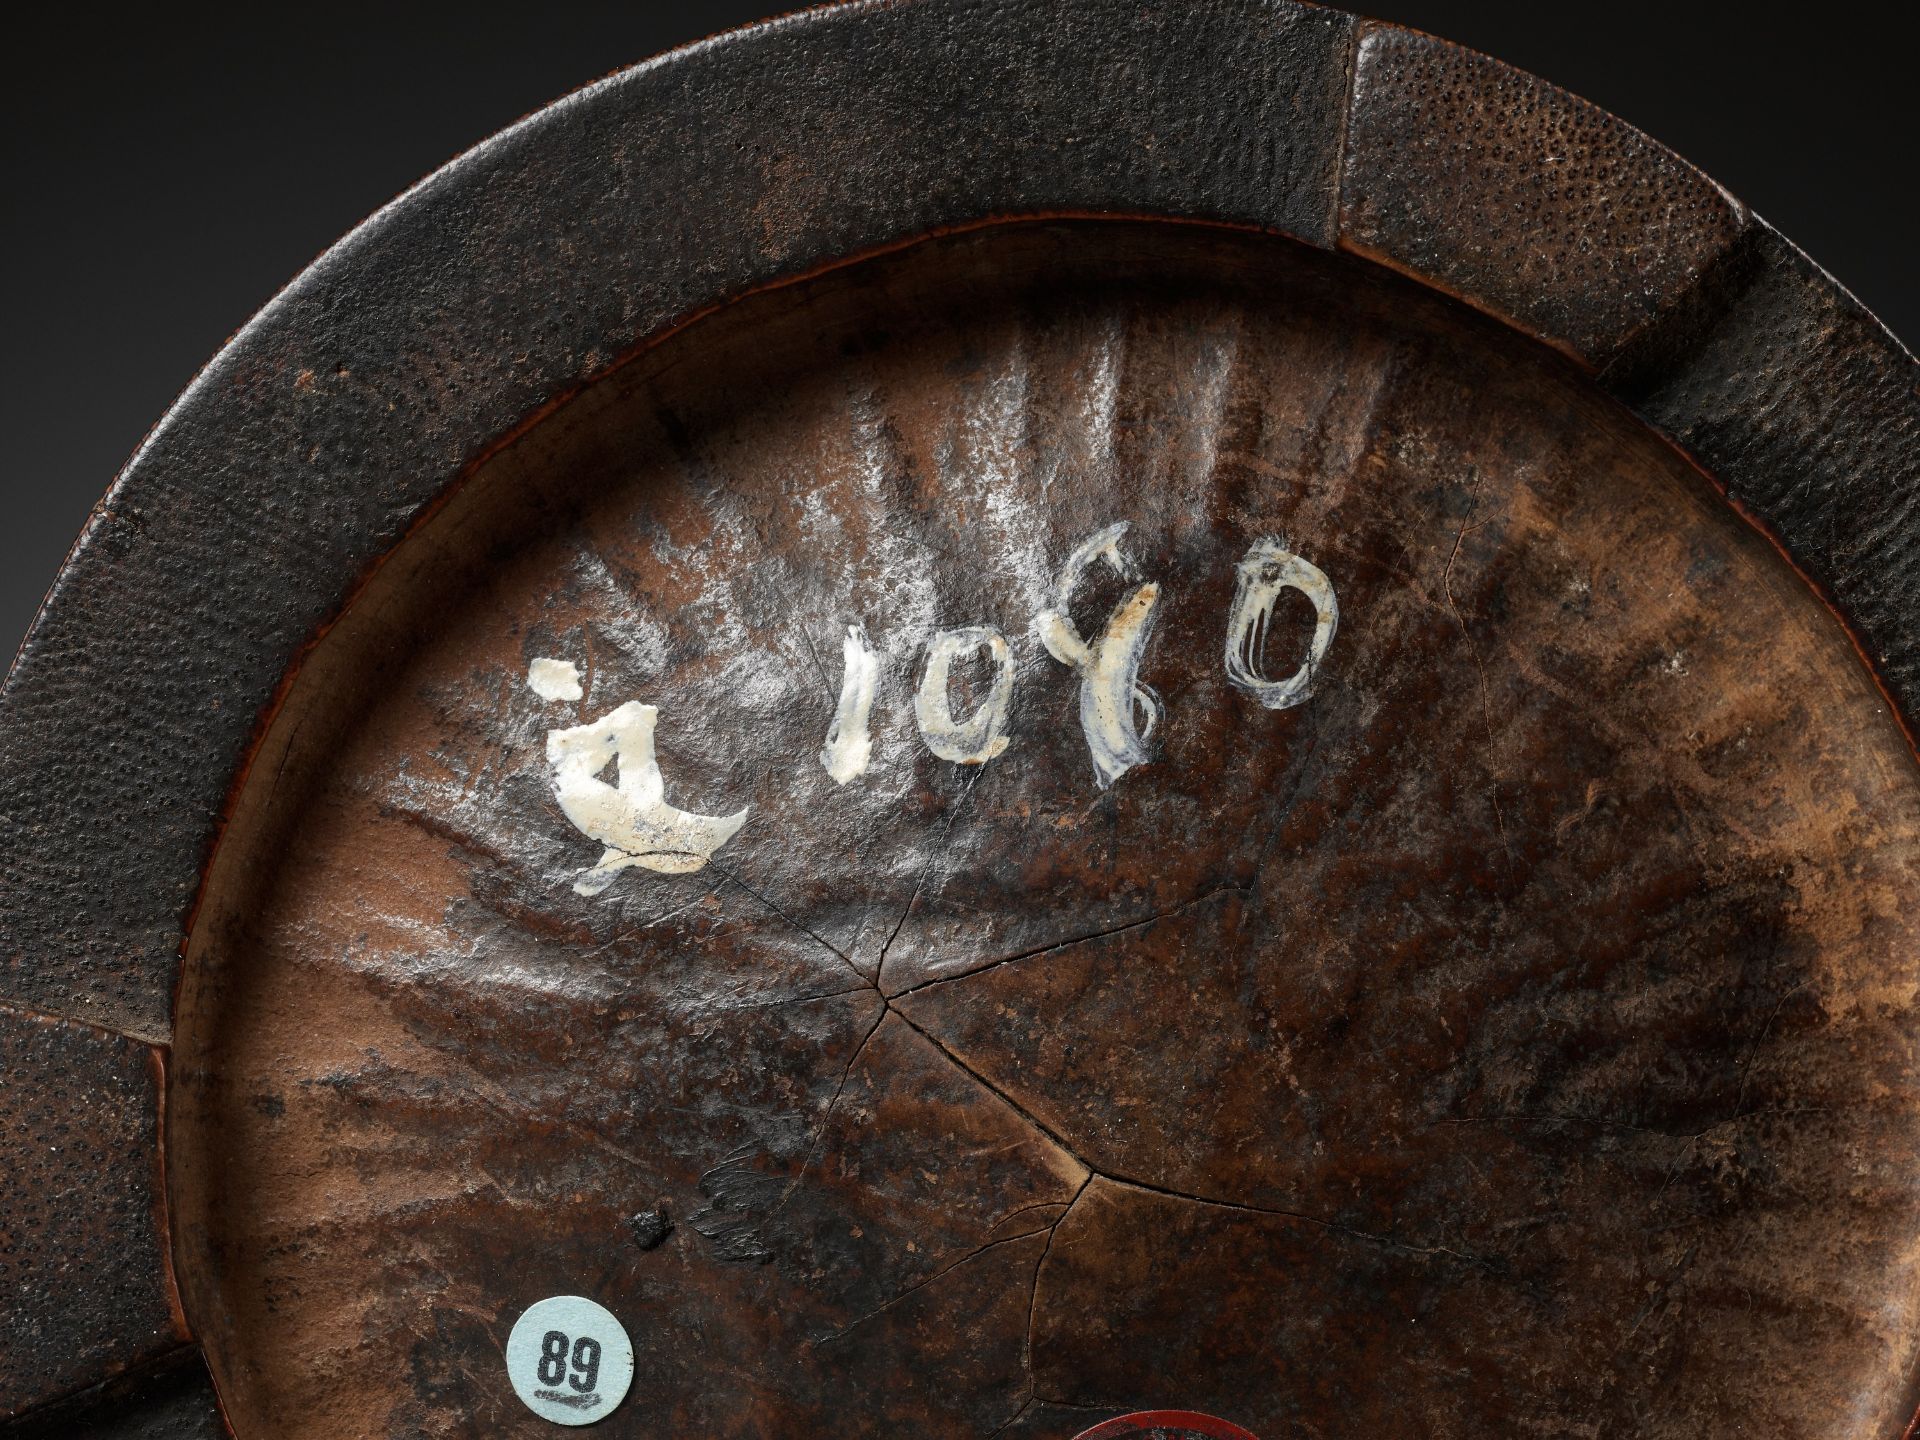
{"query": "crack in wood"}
[(1371, 1237), (834, 950), (1026, 1210), (1215, 893), (1033, 1298), (1116, 1178), (881, 830), (826, 1115), (939, 1274), (1013, 1419), (1059, 1141), (939, 853)]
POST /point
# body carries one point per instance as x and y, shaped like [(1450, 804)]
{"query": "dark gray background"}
[(169, 170)]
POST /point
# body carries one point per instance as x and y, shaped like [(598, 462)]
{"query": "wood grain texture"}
[(1518, 1035), (346, 409)]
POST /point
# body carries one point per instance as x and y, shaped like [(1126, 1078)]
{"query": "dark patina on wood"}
[(84, 1289), (170, 1398), (1520, 1028), (1514, 1034)]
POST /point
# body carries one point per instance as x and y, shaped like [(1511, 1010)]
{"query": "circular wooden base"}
[(1508, 1030)]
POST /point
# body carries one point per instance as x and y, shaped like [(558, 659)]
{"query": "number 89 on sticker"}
[(569, 1360)]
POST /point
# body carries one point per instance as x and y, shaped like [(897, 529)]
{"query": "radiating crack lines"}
[(1168, 1192), (1013, 1419), (784, 1000), (1033, 1300), (826, 680), (1026, 1210)]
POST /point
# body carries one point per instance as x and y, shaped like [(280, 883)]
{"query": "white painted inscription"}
[(983, 734), (849, 744), (1117, 712), (554, 679), (1265, 571), (633, 819)]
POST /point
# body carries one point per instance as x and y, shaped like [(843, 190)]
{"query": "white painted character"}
[(632, 819), (554, 679), (1265, 570), (1117, 712), (849, 746), (983, 734)]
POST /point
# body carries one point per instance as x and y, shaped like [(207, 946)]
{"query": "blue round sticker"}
[(570, 1360)]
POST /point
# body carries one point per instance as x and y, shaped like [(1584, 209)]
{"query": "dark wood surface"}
[(1514, 1036), (83, 1284), (299, 480), (170, 1398), (1529, 202)]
